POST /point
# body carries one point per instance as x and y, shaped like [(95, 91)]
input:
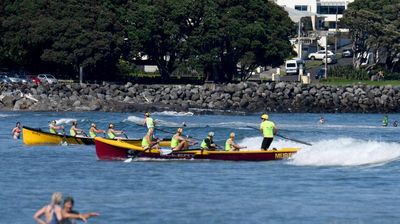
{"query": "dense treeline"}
[(216, 40), (375, 27)]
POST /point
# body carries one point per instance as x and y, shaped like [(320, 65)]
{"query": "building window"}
[(301, 7), (330, 9)]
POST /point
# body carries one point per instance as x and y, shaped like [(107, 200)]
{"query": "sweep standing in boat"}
[(230, 144), (93, 131), (268, 129), (148, 142), (180, 143), (53, 127), (75, 131), (208, 142), (16, 132), (68, 211), (51, 212), (112, 134), (149, 122)]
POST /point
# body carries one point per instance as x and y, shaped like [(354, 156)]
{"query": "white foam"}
[(174, 113), (346, 152), (65, 120), (7, 115), (254, 143), (139, 121)]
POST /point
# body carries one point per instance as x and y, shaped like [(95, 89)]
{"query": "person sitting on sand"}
[(112, 134), (75, 131), (93, 131), (16, 132), (180, 143), (230, 144), (53, 127), (68, 211)]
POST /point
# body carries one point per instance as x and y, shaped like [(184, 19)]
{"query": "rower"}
[(112, 134), (149, 122), (208, 142), (148, 142), (93, 131), (180, 143), (268, 129), (53, 127), (230, 144), (16, 132), (75, 131)]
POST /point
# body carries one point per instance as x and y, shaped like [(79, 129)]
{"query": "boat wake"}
[(347, 152)]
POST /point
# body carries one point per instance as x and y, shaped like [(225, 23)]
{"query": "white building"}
[(327, 11)]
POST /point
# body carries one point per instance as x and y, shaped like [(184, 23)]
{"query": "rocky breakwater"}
[(245, 96)]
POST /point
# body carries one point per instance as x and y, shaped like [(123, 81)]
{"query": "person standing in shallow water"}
[(73, 215), (52, 212), (16, 132), (322, 120), (385, 121)]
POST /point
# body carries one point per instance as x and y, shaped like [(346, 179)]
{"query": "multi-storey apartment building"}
[(328, 12)]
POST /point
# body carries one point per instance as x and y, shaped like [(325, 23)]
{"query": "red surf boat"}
[(107, 149)]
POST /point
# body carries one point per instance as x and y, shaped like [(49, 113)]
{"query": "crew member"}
[(180, 143), (53, 127), (385, 121), (112, 134), (230, 144), (268, 129), (16, 132), (148, 142), (321, 120), (208, 142), (75, 131), (149, 122), (93, 131)]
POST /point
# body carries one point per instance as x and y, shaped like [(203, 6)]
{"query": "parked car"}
[(319, 55), (34, 79), (330, 60), (4, 78), (320, 73), (347, 53), (14, 78), (47, 78), (294, 65)]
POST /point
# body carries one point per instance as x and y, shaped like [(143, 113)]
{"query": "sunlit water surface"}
[(349, 175)]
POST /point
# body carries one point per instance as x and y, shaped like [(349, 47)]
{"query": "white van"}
[(294, 65)]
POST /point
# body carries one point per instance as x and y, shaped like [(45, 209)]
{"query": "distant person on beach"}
[(230, 144), (73, 215), (93, 131), (385, 121), (75, 131), (180, 143), (53, 127), (52, 212), (16, 132), (148, 143), (322, 120), (113, 134), (208, 143), (395, 123), (268, 128)]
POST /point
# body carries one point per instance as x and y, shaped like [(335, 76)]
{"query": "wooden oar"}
[(284, 137)]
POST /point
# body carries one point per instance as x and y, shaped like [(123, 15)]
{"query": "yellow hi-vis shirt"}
[(267, 128)]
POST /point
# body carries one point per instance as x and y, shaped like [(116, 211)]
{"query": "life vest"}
[(92, 134), (52, 130), (72, 132), (149, 122), (203, 144), (227, 145), (110, 134), (174, 142)]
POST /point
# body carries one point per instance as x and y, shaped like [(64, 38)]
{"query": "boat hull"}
[(33, 136), (117, 150)]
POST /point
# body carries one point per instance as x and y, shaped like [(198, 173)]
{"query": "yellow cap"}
[(264, 116), (232, 135), (180, 130), (147, 114)]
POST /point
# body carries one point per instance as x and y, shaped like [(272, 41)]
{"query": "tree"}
[(374, 26)]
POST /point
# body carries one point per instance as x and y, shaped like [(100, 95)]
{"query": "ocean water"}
[(350, 174)]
